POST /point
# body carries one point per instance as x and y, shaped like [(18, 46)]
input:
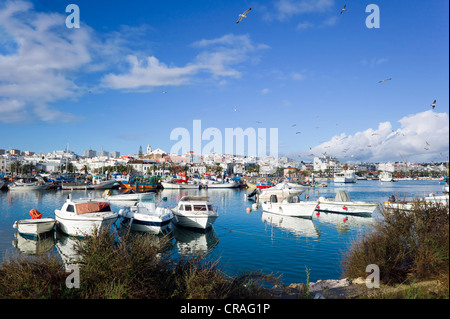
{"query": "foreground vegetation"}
[(132, 266), (411, 250)]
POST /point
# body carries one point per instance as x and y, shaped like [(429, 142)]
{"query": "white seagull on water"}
[(243, 15)]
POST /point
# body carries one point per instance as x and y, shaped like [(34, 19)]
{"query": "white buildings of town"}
[(158, 162)]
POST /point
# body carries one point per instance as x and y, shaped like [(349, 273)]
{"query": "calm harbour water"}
[(241, 241)]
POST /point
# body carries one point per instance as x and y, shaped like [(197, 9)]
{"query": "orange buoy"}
[(249, 210)]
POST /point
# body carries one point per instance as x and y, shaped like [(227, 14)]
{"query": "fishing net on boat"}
[(342, 196)]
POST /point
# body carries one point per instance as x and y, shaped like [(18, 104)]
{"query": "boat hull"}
[(27, 188), (303, 209), (350, 208), (167, 185), (86, 224), (194, 220), (34, 227)]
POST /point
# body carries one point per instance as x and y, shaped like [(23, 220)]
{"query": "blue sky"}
[(136, 70)]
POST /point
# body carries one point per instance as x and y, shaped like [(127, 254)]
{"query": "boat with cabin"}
[(386, 177), (82, 217), (194, 212), (146, 216), (345, 176), (282, 190)]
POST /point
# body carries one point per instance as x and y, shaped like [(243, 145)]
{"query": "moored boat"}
[(30, 186), (194, 212), (146, 217), (291, 206), (386, 177), (35, 226), (82, 217), (282, 191), (342, 204), (345, 176)]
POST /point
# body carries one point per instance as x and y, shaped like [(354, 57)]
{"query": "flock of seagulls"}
[(244, 15)]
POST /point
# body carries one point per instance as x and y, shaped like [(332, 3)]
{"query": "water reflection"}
[(34, 246), (344, 223), (194, 242), (298, 226)]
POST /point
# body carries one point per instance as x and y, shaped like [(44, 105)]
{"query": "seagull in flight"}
[(234, 109), (298, 132), (385, 80), (243, 15), (343, 9), (433, 104)]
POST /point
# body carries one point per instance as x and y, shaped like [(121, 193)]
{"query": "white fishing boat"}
[(342, 204), (100, 182), (194, 212), (24, 186), (291, 206), (218, 184), (386, 177), (131, 195), (394, 204), (345, 176), (146, 217), (282, 191), (174, 185), (82, 217)]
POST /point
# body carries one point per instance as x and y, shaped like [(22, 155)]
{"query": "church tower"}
[(149, 149)]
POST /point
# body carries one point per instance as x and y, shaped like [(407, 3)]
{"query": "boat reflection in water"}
[(302, 227), (194, 241), (344, 223), (34, 245)]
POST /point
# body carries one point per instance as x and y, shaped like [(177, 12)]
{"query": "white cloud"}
[(218, 58), (421, 137), (33, 72), (285, 9)]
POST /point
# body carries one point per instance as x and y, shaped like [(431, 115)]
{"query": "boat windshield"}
[(199, 208)]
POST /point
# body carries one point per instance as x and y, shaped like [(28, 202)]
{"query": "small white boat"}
[(393, 204), (34, 227), (146, 217), (82, 217), (194, 212), (386, 177), (23, 186), (346, 176), (174, 185), (292, 206), (282, 191), (129, 196), (342, 204), (217, 184), (101, 183)]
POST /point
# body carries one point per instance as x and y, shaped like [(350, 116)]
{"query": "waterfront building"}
[(90, 153)]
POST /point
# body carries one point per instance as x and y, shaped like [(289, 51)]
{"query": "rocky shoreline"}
[(323, 289)]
